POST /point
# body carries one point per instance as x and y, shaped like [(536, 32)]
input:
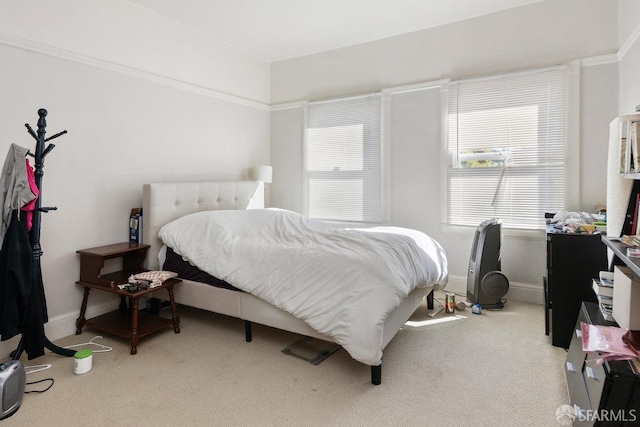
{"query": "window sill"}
[(514, 233)]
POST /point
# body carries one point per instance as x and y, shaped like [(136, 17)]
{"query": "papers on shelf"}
[(600, 288), (606, 278), (630, 241), (607, 340), (603, 287), (633, 252), (629, 146)]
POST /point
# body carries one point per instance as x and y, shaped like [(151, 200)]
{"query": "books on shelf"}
[(635, 221), (603, 288), (629, 146), (607, 311), (606, 302), (633, 135), (633, 252), (606, 277)]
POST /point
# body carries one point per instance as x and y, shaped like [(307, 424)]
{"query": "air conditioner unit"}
[(486, 285)]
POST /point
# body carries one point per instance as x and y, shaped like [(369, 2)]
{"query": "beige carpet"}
[(493, 369)]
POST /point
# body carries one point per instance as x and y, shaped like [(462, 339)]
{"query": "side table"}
[(126, 322)]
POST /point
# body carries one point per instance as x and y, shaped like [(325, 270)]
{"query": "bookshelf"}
[(620, 252), (629, 137)]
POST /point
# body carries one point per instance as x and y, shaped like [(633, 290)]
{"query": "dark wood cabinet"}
[(609, 389), (573, 261)]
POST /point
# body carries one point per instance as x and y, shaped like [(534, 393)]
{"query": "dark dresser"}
[(573, 261), (610, 388)]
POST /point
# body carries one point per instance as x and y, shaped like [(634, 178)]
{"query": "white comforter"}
[(343, 281)]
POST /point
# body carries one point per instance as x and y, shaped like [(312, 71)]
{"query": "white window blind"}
[(506, 138), (343, 159)]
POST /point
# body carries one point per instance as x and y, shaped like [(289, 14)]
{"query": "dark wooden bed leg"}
[(430, 300), (376, 375), (247, 331)]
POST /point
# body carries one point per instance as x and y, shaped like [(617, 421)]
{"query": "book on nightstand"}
[(135, 226)]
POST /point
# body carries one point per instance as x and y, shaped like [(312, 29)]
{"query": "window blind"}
[(506, 138), (343, 159)]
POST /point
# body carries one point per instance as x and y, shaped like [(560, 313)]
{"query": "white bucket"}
[(82, 361)]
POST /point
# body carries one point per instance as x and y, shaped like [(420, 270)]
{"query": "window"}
[(344, 159), (506, 140)]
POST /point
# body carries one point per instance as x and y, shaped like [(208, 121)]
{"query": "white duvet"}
[(343, 281)]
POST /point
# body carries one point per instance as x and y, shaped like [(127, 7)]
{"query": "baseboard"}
[(65, 325), (524, 292), (59, 327)]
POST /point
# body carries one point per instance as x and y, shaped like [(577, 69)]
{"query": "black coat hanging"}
[(33, 338)]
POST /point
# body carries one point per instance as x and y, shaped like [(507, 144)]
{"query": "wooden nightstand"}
[(126, 322)]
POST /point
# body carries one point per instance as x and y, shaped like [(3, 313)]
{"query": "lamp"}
[(263, 173), (626, 304)]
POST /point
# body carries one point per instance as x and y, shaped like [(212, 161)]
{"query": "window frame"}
[(382, 212), (571, 151)]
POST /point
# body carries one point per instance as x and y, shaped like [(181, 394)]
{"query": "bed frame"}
[(164, 202)]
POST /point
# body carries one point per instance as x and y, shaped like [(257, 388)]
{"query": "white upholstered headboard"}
[(164, 202)]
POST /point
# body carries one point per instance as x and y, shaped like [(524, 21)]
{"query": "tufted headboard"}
[(164, 202)]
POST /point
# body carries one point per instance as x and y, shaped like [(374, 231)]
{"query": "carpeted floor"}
[(493, 369)]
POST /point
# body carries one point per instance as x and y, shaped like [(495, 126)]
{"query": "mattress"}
[(174, 262)]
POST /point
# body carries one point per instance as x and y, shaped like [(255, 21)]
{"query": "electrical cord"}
[(503, 301), (36, 382)]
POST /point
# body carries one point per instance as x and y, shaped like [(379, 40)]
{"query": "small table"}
[(126, 322)]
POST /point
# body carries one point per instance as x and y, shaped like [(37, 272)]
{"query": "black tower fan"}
[(486, 285)]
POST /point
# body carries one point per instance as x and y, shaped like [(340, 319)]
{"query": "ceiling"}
[(273, 30)]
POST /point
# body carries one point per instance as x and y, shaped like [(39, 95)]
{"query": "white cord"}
[(36, 368), (104, 348)]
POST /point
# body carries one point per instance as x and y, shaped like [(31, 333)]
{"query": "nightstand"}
[(126, 322)]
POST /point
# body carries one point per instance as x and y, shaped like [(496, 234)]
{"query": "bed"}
[(170, 204)]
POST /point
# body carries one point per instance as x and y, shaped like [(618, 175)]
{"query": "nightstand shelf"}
[(92, 262), (118, 323), (128, 321)]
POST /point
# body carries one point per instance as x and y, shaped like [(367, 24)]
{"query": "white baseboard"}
[(524, 292), (65, 325), (58, 327)]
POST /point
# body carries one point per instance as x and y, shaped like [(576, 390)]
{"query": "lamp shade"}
[(263, 173)]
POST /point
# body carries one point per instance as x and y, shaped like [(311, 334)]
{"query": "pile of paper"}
[(607, 341)]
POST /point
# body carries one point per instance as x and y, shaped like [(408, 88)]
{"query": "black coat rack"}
[(34, 234)]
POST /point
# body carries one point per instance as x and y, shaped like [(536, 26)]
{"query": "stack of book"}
[(633, 252), (603, 287)]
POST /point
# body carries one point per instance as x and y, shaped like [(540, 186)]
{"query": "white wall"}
[(629, 56), (142, 100), (598, 106), (117, 32), (542, 33), (536, 35)]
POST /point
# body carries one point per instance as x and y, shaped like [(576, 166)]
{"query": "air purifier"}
[(486, 285)]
